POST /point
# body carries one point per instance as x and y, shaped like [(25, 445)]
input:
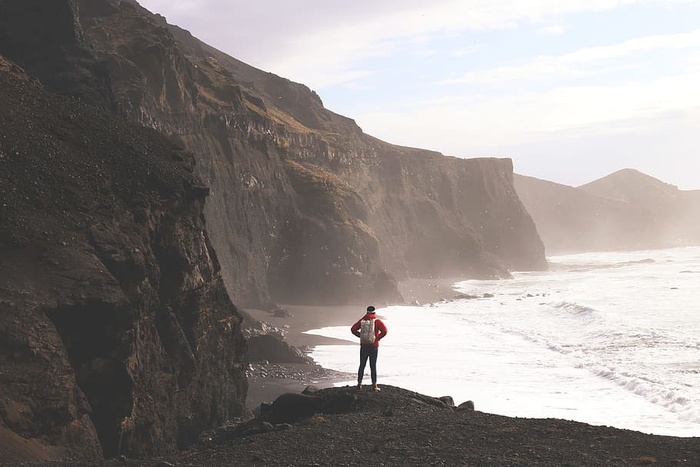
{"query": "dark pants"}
[(368, 351)]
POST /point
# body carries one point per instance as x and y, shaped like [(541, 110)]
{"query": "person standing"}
[(370, 330)]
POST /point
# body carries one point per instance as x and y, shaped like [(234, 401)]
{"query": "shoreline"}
[(267, 382)]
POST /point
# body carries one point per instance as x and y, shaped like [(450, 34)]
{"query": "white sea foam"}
[(602, 338)]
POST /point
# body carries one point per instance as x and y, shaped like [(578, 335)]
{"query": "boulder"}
[(468, 405)]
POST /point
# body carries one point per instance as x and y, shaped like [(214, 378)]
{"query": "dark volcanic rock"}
[(401, 428), (116, 333), (304, 206), (116, 329), (271, 348), (431, 215), (45, 39)]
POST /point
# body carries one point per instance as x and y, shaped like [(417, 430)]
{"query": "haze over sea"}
[(602, 338)]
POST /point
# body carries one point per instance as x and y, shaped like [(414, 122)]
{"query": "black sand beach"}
[(266, 382), (397, 427), (403, 428)]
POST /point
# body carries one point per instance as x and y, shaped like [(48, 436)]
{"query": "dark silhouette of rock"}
[(292, 407), (447, 400), (304, 207), (116, 332), (272, 348), (468, 405), (395, 428), (46, 40)]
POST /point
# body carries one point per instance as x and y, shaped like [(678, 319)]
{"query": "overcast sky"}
[(571, 90)]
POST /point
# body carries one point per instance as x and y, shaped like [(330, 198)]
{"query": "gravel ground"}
[(396, 427)]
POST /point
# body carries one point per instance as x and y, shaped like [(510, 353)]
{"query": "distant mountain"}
[(632, 186), (624, 210)]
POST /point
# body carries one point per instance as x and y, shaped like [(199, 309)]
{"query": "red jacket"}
[(379, 328)]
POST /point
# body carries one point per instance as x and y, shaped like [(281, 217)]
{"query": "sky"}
[(570, 90)]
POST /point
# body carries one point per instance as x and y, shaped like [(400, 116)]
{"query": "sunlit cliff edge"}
[(304, 206)]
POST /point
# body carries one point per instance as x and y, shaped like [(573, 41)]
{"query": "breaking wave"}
[(610, 346)]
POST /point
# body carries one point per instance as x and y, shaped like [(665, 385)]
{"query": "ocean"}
[(603, 338)]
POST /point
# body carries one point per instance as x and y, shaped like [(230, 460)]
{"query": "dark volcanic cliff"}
[(304, 206), (116, 332), (431, 215)]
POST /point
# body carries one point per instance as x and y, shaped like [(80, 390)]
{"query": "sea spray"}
[(602, 338)]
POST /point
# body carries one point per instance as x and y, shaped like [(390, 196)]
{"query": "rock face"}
[(304, 207), (116, 332), (49, 42), (428, 214), (625, 210)]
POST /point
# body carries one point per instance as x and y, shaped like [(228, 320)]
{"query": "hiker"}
[(370, 330)]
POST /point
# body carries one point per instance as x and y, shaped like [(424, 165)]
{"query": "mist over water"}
[(602, 338)]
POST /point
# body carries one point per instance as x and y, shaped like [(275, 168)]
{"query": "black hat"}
[(370, 309)]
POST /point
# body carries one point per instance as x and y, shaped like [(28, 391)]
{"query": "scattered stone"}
[(465, 296), (292, 407), (266, 409), (281, 313), (310, 389), (448, 400), (468, 405)]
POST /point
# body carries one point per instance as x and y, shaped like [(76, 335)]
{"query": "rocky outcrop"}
[(305, 207), (623, 211), (116, 330), (431, 215), (273, 348), (256, 222), (443, 216), (45, 39), (117, 335), (400, 428)]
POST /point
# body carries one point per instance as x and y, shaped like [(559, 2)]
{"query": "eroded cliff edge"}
[(117, 335), (304, 207), (108, 274)]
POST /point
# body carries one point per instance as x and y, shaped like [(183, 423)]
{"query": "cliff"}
[(432, 215), (116, 332), (623, 211), (304, 207)]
